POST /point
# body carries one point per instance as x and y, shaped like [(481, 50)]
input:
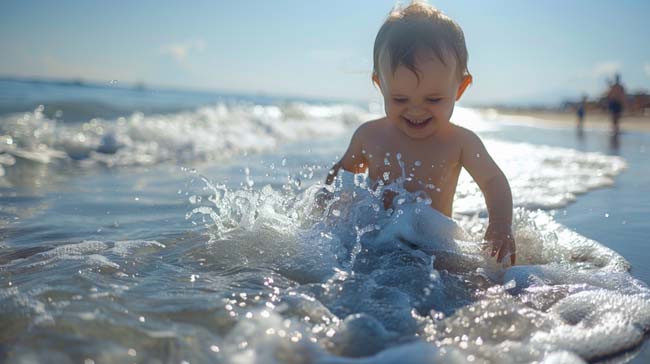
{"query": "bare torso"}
[(431, 165)]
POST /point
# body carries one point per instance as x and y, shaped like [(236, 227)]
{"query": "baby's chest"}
[(423, 167)]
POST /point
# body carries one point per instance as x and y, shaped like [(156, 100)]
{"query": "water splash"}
[(392, 277)]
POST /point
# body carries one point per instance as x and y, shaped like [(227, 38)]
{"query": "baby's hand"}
[(499, 236)]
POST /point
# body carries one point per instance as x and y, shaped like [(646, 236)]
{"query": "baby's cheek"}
[(448, 109)]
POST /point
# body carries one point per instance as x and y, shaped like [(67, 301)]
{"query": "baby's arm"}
[(353, 160), (496, 190)]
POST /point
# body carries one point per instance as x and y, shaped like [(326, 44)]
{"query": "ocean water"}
[(178, 227)]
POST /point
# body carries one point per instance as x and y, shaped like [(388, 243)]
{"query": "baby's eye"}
[(399, 100), (434, 100)]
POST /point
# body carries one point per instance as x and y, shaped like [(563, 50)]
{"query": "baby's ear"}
[(375, 80), (467, 80)]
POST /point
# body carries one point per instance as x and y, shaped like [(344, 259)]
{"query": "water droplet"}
[(418, 163), (113, 82), (386, 162), (284, 162), (386, 176), (249, 180), (478, 155)]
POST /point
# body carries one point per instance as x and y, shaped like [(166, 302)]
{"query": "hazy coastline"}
[(558, 118)]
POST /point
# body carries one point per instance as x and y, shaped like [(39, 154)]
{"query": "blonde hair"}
[(415, 28)]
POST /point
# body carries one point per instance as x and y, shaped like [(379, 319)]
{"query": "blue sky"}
[(520, 51)]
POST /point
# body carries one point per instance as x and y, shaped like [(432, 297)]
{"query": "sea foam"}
[(206, 133), (411, 283)]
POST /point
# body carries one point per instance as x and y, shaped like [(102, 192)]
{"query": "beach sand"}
[(592, 120)]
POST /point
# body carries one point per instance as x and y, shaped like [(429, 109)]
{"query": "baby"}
[(420, 66)]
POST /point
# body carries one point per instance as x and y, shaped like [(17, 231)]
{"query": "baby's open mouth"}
[(417, 123)]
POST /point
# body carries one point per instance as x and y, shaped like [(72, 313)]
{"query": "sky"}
[(520, 52)]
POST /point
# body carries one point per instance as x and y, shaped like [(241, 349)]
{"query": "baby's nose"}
[(416, 109)]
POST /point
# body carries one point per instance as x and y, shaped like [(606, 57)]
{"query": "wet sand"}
[(593, 120)]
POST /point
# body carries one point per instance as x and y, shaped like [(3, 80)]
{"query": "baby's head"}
[(420, 65)]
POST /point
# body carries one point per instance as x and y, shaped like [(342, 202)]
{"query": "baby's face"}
[(421, 109)]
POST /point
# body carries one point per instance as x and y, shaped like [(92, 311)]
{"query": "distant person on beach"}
[(420, 67), (616, 102), (580, 113)]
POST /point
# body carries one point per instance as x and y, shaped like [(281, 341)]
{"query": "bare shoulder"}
[(368, 129), (372, 126), (354, 159), (466, 138), (475, 157)]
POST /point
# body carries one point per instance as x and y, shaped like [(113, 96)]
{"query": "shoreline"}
[(592, 120)]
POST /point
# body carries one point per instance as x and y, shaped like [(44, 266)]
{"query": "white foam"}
[(91, 253), (473, 120), (597, 323), (206, 133), (541, 176), (414, 272)]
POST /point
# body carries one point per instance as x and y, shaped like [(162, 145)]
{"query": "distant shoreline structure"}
[(73, 82), (636, 104)]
